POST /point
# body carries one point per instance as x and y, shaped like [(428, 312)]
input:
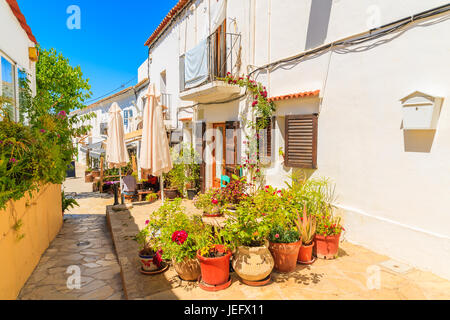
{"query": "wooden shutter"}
[(200, 144), (233, 147), (301, 141)]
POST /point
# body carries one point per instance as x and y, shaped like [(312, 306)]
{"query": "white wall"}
[(14, 42), (392, 197)]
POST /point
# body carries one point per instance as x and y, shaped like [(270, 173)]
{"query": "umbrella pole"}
[(121, 185), (161, 187)]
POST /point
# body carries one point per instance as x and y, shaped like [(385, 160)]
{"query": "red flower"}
[(254, 103), (214, 201), (179, 237), (277, 236)]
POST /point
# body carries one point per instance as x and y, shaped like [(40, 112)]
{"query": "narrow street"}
[(82, 253)]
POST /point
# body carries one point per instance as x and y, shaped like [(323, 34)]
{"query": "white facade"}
[(14, 55), (130, 100), (392, 184)]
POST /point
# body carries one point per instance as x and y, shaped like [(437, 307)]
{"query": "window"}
[(265, 141), (301, 141), (8, 88)]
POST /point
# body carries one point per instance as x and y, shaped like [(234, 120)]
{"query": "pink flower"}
[(42, 130), (147, 222), (277, 236), (214, 201), (254, 103)]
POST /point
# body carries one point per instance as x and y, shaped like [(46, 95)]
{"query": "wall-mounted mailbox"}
[(421, 111)]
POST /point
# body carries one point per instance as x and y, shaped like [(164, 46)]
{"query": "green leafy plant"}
[(210, 202), (235, 191), (39, 152), (148, 241), (68, 202), (151, 197), (247, 226), (280, 234), (208, 245)]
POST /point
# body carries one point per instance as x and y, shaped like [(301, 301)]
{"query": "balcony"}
[(219, 56)]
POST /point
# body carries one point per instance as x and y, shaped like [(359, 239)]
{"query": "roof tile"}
[(20, 17), (295, 95)]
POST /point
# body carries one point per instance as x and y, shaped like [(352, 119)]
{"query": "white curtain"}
[(218, 12), (196, 65)]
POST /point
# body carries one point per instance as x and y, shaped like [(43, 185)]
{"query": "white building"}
[(18, 54), (131, 101), (348, 65)]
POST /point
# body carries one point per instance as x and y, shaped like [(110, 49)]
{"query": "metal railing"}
[(223, 57)]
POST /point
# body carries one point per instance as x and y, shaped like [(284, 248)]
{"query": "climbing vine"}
[(261, 112)]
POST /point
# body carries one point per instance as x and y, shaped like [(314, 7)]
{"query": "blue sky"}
[(109, 47)]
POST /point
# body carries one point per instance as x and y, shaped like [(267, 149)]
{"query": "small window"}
[(301, 141), (8, 88), (265, 141)]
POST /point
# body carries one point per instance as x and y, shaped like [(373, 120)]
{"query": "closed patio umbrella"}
[(116, 150), (155, 153)]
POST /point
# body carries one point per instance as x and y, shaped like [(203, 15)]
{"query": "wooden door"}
[(218, 153)]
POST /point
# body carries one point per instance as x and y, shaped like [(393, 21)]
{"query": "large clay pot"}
[(285, 255), (215, 271), (326, 247), (188, 270), (147, 262), (305, 254), (171, 193), (253, 263)]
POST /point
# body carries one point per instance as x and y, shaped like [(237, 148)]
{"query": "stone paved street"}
[(83, 242)]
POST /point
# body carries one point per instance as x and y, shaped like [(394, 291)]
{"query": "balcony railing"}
[(222, 57)]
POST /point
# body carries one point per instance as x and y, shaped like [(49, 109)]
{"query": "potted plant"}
[(214, 257), (248, 230), (306, 225), (67, 202), (284, 244), (234, 192), (181, 237), (151, 197), (150, 257), (327, 236), (210, 202), (192, 170), (174, 182)]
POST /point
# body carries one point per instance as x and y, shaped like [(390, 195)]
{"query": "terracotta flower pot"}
[(171, 193), (305, 254), (215, 271), (326, 247), (285, 255), (95, 174), (253, 263), (188, 270), (147, 262), (89, 178)]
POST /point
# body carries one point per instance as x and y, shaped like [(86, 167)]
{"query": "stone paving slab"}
[(95, 258), (348, 277)]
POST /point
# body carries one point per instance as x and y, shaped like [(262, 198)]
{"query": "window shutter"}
[(200, 144), (301, 141), (233, 147)]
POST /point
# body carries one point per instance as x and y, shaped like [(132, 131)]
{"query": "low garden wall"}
[(27, 227)]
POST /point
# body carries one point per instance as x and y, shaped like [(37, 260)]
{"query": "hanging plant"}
[(262, 109)]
